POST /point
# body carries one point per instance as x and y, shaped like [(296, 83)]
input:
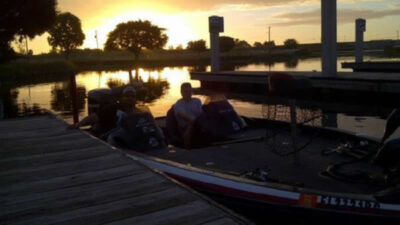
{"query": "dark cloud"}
[(344, 16)]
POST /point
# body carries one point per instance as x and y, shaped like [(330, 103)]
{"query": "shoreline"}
[(54, 67)]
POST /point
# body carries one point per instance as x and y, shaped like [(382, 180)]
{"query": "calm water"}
[(363, 119)]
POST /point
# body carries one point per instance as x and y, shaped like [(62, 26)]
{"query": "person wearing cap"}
[(110, 116)]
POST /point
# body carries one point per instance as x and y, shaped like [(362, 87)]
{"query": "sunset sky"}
[(244, 19)]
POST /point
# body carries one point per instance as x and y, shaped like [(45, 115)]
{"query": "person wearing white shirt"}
[(187, 109)]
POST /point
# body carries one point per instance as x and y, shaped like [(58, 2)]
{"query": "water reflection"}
[(292, 63), (163, 85), (8, 98), (10, 107), (61, 98), (154, 88)]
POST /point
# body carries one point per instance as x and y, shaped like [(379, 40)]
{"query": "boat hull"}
[(262, 201)]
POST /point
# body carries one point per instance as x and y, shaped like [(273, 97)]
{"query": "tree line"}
[(23, 19)]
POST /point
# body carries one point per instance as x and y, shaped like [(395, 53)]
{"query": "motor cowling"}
[(141, 133), (388, 156), (98, 98), (218, 120)]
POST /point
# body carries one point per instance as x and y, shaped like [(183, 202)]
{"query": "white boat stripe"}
[(390, 207), (220, 181)]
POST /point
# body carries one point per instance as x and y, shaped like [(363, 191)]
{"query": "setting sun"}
[(178, 31)]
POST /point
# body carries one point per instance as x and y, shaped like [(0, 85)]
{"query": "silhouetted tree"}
[(257, 44), (179, 47), (291, 43), (66, 33), (199, 45), (135, 36), (226, 43), (22, 17), (241, 44), (269, 44)]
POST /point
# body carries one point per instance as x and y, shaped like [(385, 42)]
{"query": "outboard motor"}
[(100, 97), (219, 120), (97, 98), (392, 123), (388, 157), (140, 133)]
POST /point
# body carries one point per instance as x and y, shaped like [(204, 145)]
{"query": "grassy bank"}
[(85, 60), (31, 72), (54, 67)]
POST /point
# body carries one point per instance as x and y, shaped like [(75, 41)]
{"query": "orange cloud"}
[(344, 16)]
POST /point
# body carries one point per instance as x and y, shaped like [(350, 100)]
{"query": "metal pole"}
[(293, 128), (329, 37), (214, 37), (97, 40), (74, 100), (269, 35), (216, 25), (360, 28)]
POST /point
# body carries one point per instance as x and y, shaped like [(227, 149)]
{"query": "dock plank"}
[(32, 123), (196, 212), (45, 185), (81, 197), (117, 210), (50, 132), (74, 191), (47, 145), (222, 221), (51, 158), (63, 169), (50, 175)]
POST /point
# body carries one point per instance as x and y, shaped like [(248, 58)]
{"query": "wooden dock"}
[(344, 81), (50, 175), (387, 67)]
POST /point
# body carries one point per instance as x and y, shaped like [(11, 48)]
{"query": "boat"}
[(269, 168)]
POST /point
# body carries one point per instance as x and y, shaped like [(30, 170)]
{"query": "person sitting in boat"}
[(186, 110), (110, 116)]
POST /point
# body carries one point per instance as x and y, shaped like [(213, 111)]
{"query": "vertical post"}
[(360, 28), (214, 37), (74, 99), (1, 109), (26, 45), (269, 39), (216, 25), (329, 37), (293, 129), (130, 76), (137, 73), (269, 34), (97, 40)]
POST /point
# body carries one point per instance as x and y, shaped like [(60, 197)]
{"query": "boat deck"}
[(271, 154), (50, 175)]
